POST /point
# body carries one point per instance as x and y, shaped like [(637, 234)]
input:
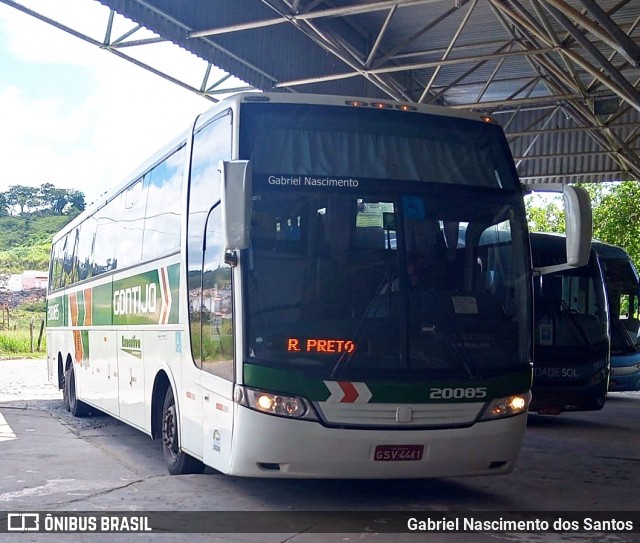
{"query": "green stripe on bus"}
[(57, 311), (142, 299), (285, 381), (101, 299), (173, 273), (81, 308), (291, 382)]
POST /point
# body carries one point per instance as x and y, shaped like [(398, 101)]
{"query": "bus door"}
[(216, 347)]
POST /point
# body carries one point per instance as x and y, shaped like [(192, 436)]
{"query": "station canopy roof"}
[(561, 76)]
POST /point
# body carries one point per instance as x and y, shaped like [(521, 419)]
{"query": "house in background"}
[(28, 280)]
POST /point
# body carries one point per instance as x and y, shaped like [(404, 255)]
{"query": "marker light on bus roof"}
[(381, 105)]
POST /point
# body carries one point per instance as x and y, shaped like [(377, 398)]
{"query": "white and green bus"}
[(283, 292)]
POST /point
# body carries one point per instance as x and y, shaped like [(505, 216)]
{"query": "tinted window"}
[(130, 209), (163, 186), (105, 244), (86, 243), (57, 255)]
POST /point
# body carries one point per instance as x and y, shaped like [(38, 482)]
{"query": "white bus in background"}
[(282, 293)]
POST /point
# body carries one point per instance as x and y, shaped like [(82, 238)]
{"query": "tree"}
[(76, 199), (53, 198), (22, 196), (616, 214), (3, 204), (545, 212), (60, 200)]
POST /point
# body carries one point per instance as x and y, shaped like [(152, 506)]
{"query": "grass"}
[(16, 342)]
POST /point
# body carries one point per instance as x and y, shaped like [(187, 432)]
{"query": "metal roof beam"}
[(376, 44), (455, 37), (416, 66), (610, 33), (336, 47), (576, 154), (565, 129), (467, 73), (422, 31), (614, 80), (309, 16), (570, 175)]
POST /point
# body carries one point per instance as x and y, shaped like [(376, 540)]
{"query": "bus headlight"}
[(274, 404), (507, 406), (598, 377)]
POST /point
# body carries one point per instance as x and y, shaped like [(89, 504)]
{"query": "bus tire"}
[(65, 390), (75, 406), (596, 404), (178, 462)]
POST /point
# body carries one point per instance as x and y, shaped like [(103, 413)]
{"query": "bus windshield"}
[(571, 312), (414, 264), (624, 293)]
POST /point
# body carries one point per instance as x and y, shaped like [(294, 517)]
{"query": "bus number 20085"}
[(467, 393)]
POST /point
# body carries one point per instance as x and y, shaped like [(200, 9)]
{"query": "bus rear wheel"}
[(75, 406), (178, 462)]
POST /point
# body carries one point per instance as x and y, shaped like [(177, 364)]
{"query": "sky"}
[(75, 115)]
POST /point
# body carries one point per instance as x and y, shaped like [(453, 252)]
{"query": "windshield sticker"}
[(413, 207), (465, 305)]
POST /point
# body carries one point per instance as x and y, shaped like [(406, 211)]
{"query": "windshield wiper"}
[(576, 325), (385, 287), (462, 354)]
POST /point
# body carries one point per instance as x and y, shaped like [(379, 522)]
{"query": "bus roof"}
[(233, 102), (547, 240), (608, 251), (349, 101)]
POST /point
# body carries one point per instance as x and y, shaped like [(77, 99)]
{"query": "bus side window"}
[(130, 208), (86, 245), (69, 264), (163, 186), (57, 255), (105, 240)]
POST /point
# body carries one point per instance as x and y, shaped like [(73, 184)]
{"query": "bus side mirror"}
[(578, 225), (236, 203)]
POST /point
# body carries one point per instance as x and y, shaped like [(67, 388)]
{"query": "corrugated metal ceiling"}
[(536, 65)]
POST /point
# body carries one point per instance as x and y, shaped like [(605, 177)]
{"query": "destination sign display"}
[(320, 345)]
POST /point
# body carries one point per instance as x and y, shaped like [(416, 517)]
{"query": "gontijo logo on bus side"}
[(144, 299), (133, 300)]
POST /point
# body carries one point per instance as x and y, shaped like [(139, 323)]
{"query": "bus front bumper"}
[(270, 446)]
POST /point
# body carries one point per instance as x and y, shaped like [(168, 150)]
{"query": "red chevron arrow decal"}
[(350, 392), (347, 392)]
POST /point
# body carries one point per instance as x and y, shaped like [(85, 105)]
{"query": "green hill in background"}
[(29, 218), (25, 240)]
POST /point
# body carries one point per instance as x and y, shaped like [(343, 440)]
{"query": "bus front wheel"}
[(178, 462)]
